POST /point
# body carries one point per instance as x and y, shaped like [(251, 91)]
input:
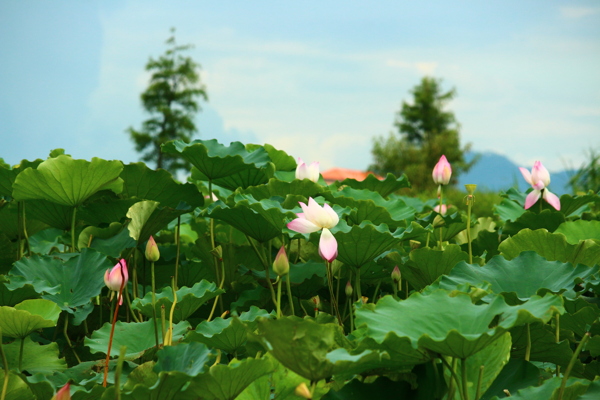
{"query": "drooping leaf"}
[(188, 300), (574, 205), (137, 336), (28, 316), (140, 213), (110, 241), (69, 283), (66, 181), (148, 218), (451, 326), (384, 187)]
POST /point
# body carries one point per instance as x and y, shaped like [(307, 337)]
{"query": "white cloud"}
[(578, 12)]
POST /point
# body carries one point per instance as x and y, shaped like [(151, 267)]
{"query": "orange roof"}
[(339, 174)]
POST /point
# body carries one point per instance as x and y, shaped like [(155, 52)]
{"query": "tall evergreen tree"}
[(172, 101), (425, 131)]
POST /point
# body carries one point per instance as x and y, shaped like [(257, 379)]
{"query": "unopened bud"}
[(316, 301), (217, 252), (348, 289), (396, 275), (303, 391), (152, 253), (281, 265)]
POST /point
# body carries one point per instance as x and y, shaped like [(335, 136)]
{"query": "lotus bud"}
[(348, 289), (316, 301), (152, 253), (414, 244), (307, 172), (116, 276), (441, 210), (281, 265), (64, 393), (396, 275), (217, 252), (303, 391), (442, 171)]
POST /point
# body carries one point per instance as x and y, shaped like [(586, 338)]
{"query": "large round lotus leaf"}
[(158, 185), (427, 265), (348, 363), (66, 181), (28, 316), (575, 231), (262, 220), (514, 276), (137, 336), (277, 188), (190, 358), (547, 219), (17, 388), (362, 243), (384, 187), (54, 214), (70, 283), (105, 210), (414, 231), (301, 345), (451, 326), (36, 358), (188, 300), (371, 206), (230, 334), (551, 246), (230, 167), (225, 382)]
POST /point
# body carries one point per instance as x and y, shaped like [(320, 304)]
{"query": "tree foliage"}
[(588, 176), (172, 101), (425, 131)]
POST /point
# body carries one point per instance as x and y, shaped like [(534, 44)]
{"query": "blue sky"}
[(317, 79)]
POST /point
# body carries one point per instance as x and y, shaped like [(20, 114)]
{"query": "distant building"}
[(339, 174)]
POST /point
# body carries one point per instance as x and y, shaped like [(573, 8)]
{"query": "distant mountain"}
[(495, 172)]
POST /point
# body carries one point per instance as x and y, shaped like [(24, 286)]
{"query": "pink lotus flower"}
[(443, 210), (307, 172), (539, 179), (113, 278), (442, 171), (64, 393), (315, 218)]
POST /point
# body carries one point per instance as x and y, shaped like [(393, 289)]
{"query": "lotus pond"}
[(226, 297)]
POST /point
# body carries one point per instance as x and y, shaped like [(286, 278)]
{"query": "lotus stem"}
[(178, 242), (68, 340), (154, 304), (331, 292), (469, 205), (563, 384), (21, 354), (73, 219), (441, 204), (289, 292), (479, 380), (528, 348), (278, 297), (465, 382), (266, 266), (212, 311), (6, 370), (557, 317), (455, 380), (118, 371), (19, 230), (112, 329), (357, 285)]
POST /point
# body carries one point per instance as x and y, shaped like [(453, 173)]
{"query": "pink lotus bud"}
[(64, 393), (442, 211), (349, 289), (114, 277), (396, 275), (281, 265), (539, 179), (152, 253), (307, 172), (442, 172)]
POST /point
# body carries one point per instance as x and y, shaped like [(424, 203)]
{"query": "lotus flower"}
[(315, 218), (442, 171), (307, 172), (64, 393), (539, 179), (114, 277), (152, 253), (441, 210)]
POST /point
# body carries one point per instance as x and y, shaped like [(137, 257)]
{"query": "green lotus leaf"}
[(262, 220), (516, 374), (576, 231), (226, 382), (47, 241), (575, 205), (158, 185), (514, 276), (230, 167), (511, 207), (189, 358), (384, 187), (105, 210), (230, 334), (451, 326), (492, 358), (147, 218), (137, 336), (371, 206), (36, 358), (547, 219), (17, 388), (168, 386), (69, 283), (301, 345), (282, 160), (549, 389), (8, 175), (426, 265), (12, 297), (414, 231), (9, 221), (188, 300), (551, 246), (66, 181), (579, 320), (110, 241), (260, 389), (28, 316), (362, 243), (276, 188), (140, 213), (50, 213)]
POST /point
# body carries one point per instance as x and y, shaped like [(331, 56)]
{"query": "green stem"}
[(376, 290), (131, 311), (469, 201), (177, 254), (73, 219), (557, 317), (351, 314), (154, 305), (289, 292), (454, 376), (441, 203), (528, 348), (21, 354), (357, 285), (118, 371), (6, 370), (69, 340), (266, 266), (479, 381), (19, 229), (279, 297), (463, 373), (332, 294), (563, 384)]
